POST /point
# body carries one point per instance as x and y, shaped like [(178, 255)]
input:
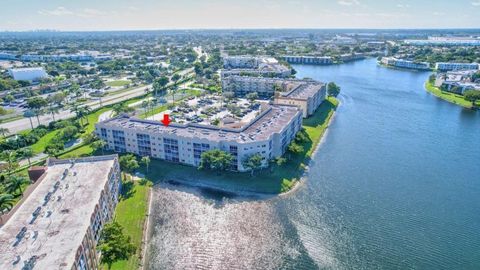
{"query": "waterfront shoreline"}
[(446, 96), (190, 176)]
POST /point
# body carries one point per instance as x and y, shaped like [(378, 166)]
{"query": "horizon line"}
[(229, 29)]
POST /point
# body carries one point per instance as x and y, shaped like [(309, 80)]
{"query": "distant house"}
[(28, 74)]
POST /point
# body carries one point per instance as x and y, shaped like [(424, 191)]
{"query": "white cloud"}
[(477, 4), (437, 13), (403, 6), (59, 11), (90, 12), (348, 2), (84, 13)]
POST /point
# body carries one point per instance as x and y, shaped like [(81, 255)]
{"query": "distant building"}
[(456, 66), (28, 74), (308, 60), (457, 81), (58, 224), (306, 94), (267, 135), (406, 64), (445, 41), (254, 66), (7, 56)]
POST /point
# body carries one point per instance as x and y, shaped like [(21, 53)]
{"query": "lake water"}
[(395, 185)]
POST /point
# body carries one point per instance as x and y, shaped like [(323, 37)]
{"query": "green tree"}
[(160, 84), (99, 144), (472, 96), (6, 202), (295, 148), (122, 108), (11, 157), (52, 110), (146, 161), (29, 114), (333, 89), (114, 245), (253, 162), (27, 153), (176, 77), (15, 183), (215, 159), (128, 163), (252, 96), (36, 103)]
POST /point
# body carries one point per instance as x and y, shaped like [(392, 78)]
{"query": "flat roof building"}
[(447, 66), (28, 74), (59, 224), (307, 96), (254, 65), (308, 60), (407, 64), (268, 134)]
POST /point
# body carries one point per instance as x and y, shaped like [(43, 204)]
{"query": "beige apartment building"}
[(58, 225), (268, 134)]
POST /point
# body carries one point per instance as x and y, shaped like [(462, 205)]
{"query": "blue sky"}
[(194, 14)]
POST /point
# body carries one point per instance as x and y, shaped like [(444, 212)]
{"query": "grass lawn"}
[(118, 83), (450, 97), (82, 151), (131, 213), (273, 180), (39, 146)]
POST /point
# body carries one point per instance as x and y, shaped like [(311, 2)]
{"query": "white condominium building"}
[(445, 41), (27, 74), (445, 66), (309, 60), (254, 66), (268, 135), (407, 64), (58, 224), (307, 96)]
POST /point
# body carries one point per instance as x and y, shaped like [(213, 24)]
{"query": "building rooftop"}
[(271, 120), (48, 227), (303, 91)]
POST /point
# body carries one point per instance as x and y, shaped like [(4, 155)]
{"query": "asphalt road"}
[(23, 124)]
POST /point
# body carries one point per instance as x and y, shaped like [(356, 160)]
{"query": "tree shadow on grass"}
[(128, 190)]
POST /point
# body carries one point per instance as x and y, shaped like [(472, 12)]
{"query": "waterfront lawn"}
[(274, 180), (131, 213), (450, 97)]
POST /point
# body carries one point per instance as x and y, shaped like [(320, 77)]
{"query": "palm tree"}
[(86, 111), (29, 114), (10, 156), (76, 109), (37, 112), (145, 106), (15, 183), (27, 153), (52, 110), (146, 161), (6, 202), (100, 144), (4, 131)]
